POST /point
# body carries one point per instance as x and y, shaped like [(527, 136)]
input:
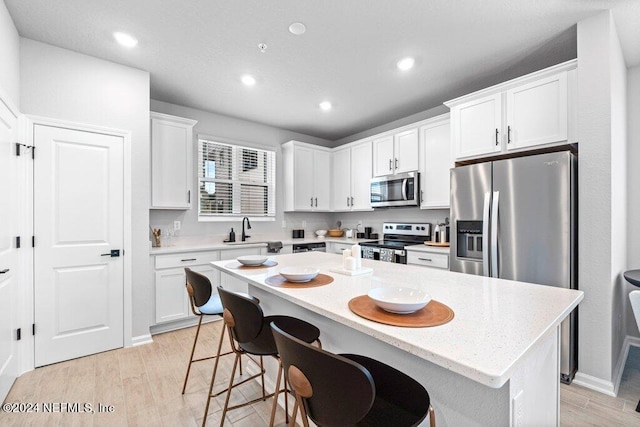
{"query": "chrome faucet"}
[(244, 236)]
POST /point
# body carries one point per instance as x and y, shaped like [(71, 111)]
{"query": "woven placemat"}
[(433, 314), (279, 281), (266, 264)]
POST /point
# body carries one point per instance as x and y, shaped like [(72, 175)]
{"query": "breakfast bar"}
[(496, 362)]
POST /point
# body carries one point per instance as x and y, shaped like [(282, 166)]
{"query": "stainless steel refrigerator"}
[(516, 219)]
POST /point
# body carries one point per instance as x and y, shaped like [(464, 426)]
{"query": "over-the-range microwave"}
[(395, 190)]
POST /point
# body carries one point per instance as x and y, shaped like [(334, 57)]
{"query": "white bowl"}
[(399, 300), (252, 260), (299, 274), (321, 233)]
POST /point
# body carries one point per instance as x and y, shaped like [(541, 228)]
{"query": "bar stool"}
[(203, 303), (250, 334), (348, 389)]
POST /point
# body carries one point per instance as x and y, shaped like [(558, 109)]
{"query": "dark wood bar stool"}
[(203, 302), (348, 389), (250, 334)]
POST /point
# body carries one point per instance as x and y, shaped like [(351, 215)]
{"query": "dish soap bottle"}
[(232, 236)]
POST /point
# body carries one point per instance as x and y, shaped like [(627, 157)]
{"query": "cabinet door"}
[(171, 142), (383, 156), (406, 151), (322, 181), (341, 180), (172, 301), (303, 178), (361, 169), (537, 112), (476, 126), (435, 163)]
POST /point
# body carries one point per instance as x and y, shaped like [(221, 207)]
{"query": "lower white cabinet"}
[(428, 259), (172, 301)]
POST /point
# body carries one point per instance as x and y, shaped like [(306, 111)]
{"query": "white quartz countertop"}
[(497, 322), (194, 243)]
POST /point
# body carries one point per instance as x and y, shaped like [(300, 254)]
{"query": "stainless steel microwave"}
[(395, 190)]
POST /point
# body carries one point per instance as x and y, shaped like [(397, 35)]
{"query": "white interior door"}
[(9, 364), (78, 222)]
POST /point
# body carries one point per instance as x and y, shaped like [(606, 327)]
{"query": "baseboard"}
[(141, 340), (181, 324), (622, 360), (597, 384)]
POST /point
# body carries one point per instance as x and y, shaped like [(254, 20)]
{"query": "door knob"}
[(114, 253)]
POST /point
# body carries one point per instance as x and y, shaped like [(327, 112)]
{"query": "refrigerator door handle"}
[(485, 234), (404, 189), (494, 234)]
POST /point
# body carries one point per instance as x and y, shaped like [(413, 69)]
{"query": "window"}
[(235, 181)]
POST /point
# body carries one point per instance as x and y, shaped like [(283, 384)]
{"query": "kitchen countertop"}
[(429, 249), (497, 322), (196, 243)]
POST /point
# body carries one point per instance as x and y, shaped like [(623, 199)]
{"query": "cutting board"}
[(438, 244)]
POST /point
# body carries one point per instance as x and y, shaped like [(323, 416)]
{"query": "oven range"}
[(395, 236)]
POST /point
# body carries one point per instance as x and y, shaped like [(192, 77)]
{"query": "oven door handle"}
[(404, 188)]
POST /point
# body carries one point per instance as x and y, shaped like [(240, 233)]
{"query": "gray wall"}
[(62, 84), (9, 57)]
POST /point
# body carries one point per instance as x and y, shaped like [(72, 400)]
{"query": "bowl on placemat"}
[(252, 260), (335, 232), (299, 274), (399, 300)]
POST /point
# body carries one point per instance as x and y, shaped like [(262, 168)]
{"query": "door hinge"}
[(18, 334), (17, 242), (33, 241), (33, 329)]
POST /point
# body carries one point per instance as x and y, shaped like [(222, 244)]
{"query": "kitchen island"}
[(496, 363)]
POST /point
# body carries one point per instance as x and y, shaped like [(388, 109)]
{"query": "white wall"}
[(600, 88), (217, 125), (633, 178), (9, 57), (62, 84)]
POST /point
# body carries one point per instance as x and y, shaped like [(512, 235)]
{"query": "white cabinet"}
[(338, 247), (171, 299), (307, 170), (436, 160), (351, 177), (531, 111), (171, 158), (396, 153), (428, 259)]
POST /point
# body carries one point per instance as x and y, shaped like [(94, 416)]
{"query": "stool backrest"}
[(200, 285), (342, 391), (246, 312)]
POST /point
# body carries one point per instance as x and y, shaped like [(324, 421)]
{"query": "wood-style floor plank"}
[(143, 384)]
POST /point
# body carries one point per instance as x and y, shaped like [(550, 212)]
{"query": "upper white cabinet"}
[(171, 158), (530, 111), (436, 159), (351, 177), (396, 153), (307, 170)]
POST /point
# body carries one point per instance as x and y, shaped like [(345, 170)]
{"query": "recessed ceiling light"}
[(325, 105), (125, 39), (406, 63), (297, 28), (248, 80)]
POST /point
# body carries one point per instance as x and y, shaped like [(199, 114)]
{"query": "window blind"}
[(234, 180)]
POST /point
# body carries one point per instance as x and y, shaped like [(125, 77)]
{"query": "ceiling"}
[(197, 50)]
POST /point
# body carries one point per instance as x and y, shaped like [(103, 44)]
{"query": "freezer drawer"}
[(428, 259)]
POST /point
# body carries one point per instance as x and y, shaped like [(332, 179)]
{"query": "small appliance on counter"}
[(297, 234)]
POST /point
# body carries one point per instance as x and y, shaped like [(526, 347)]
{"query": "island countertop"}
[(497, 322)]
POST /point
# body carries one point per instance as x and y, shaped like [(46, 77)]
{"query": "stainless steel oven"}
[(395, 237), (395, 190)]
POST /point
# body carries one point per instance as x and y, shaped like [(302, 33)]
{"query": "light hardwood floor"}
[(143, 384)]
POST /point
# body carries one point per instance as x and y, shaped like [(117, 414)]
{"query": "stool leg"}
[(193, 350), (226, 401), (274, 406), (638, 407), (264, 392), (432, 417), (213, 375)]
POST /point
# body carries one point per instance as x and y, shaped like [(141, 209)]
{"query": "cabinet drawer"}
[(186, 259), (428, 259)]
